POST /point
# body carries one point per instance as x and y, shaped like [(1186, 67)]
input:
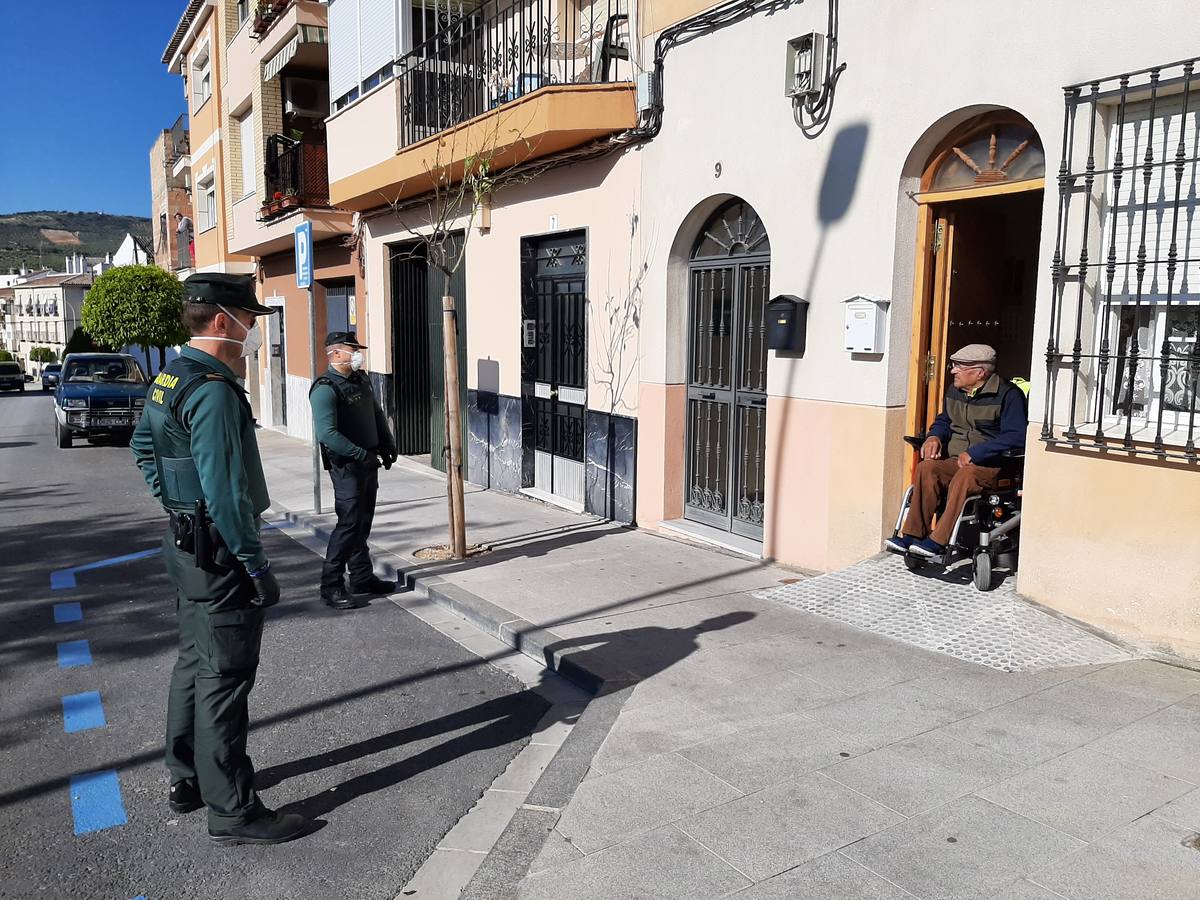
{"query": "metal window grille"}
[(1123, 352)]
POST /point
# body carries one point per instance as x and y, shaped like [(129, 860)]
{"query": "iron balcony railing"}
[(1123, 355), (481, 57), (296, 175)]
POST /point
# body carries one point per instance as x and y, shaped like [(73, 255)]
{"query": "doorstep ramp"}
[(944, 612)]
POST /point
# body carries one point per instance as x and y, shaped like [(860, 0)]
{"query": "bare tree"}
[(468, 167), (616, 327)]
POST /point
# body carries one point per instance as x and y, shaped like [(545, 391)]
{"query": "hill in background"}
[(45, 238)]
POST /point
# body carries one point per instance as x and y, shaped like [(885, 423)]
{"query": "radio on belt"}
[(866, 324)]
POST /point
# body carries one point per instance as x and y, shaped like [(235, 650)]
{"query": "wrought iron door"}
[(727, 374), (559, 304)]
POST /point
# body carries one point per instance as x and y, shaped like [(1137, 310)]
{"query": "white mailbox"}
[(866, 324)]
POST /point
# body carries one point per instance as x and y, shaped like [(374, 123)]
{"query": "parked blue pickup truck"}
[(98, 394)]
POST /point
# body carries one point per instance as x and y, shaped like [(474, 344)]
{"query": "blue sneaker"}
[(898, 543), (926, 547)]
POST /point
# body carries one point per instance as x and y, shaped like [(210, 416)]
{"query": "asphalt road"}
[(370, 721)]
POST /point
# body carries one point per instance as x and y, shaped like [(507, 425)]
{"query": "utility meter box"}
[(866, 324), (787, 323)]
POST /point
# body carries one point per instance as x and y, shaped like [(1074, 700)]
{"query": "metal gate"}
[(557, 298), (727, 373), (410, 349), (418, 362)]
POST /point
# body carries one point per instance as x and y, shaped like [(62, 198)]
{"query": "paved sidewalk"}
[(765, 746)]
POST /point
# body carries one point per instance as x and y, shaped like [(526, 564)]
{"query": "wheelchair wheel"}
[(983, 571)]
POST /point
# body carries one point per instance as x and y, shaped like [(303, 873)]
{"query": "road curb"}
[(518, 633)]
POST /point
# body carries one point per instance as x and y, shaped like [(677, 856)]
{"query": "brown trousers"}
[(942, 477)]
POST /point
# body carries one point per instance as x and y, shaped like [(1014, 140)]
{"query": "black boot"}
[(184, 797), (339, 598), (374, 585), (269, 828)]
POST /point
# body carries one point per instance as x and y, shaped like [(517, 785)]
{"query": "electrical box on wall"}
[(805, 73), (866, 324)]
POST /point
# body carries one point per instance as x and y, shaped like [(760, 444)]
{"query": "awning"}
[(305, 34)]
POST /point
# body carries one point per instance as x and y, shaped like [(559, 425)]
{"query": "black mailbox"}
[(787, 323)]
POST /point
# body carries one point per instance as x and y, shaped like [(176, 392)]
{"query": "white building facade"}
[(1026, 183)]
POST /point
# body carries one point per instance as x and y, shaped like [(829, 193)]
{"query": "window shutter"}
[(249, 154), (377, 35), (343, 47)]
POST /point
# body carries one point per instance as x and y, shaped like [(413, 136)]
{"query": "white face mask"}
[(250, 343), (356, 359)]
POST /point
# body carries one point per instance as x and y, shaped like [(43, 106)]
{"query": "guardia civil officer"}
[(355, 441), (196, 448)]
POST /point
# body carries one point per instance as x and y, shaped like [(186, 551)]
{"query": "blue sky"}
[(82, 97)]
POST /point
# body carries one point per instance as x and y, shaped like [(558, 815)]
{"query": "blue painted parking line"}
[(74, 653), (96, 801), (67, 612), (65, 578), (83, 711)]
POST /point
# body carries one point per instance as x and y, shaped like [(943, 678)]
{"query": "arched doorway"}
[(979, 230), (725, 440)]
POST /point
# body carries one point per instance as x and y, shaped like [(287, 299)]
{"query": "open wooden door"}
[(933, 351)]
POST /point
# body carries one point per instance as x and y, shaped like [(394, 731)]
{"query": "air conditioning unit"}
[(805, 75), (306, 97)]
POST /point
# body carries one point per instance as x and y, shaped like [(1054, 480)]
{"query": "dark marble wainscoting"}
[(611, 462), (494, 440)]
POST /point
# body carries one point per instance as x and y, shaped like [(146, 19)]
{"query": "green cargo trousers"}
[(220, 633)]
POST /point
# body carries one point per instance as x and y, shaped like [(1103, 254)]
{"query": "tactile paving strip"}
[(947, 614)]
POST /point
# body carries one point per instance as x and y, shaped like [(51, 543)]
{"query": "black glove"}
[(266, 588), (387, 457)]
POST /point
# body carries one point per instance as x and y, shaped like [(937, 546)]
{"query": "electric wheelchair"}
[(987, 531)]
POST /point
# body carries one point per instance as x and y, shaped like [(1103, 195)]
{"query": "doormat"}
[(946, 614)]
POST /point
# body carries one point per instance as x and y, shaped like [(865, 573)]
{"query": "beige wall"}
[(660, 453), (834, 480), (1116, 542), (600, 198), (364, 134)]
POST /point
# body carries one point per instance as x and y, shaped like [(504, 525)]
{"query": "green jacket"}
[(213, 425), (346, 417)]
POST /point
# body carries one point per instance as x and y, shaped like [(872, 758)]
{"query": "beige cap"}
[(975, 354)]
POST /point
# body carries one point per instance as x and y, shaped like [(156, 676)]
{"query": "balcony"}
[(295, 186), (514, 83), (296, 176), (266, 14)]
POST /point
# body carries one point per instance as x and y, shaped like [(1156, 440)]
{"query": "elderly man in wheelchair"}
[(974, 448)]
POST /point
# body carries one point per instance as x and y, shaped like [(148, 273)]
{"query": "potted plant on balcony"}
[(278, 6), (289, 201), (264, 14)]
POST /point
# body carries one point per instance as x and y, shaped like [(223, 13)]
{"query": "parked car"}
[(98, 394), (50, 376), (11, 376)]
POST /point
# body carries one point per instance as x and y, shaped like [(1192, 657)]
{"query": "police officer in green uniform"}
[(196, 448), (355, 441)]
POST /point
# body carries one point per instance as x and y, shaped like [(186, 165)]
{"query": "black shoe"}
[(339, 598), (269, 828), (184, 797), (374, 586)]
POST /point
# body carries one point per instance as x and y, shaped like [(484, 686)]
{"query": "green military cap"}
[(223, 289)]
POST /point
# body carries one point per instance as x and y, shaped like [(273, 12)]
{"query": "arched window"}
[(989, 155), (733, 230)]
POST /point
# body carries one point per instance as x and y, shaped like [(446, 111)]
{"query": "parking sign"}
[(304, 255)]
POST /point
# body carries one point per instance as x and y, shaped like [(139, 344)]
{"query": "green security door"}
[(417, 290), (437, 287)]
